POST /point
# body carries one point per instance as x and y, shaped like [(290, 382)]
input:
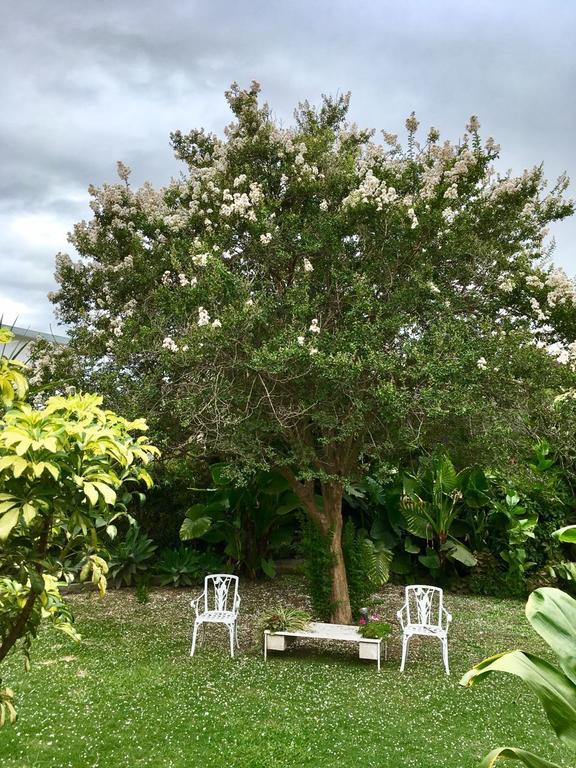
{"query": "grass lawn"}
[(130, 695)]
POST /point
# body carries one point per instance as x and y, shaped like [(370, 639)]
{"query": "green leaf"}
[(410, 546), (552, 613), (430, 560), (91, 493), (556, 692), (511, 753), (106, 492), (567, 534), (268, 567), (193, 529), (8, 521), (459, 552)]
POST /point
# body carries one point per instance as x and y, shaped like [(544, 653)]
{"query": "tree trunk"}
[(332, 495), (329, 519)]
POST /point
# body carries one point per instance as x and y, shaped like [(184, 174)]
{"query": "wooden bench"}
[(368, 648)]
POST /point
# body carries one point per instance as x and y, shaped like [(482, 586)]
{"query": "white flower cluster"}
[(371, 190), (182, 279), (314, 328), (204, 319), (241, 203), (562, 289), (506, 283), (200, 259), (481, 363), (413, 218), (170, 344), (266, 238), (564, 354), (308, 266)]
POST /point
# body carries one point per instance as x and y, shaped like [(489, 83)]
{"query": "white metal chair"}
[(423, 613), (221, 606)]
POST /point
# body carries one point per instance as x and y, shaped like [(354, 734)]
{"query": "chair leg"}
[(445, 655), (236, 634), (194, 632), (405, 641), (232, 633)]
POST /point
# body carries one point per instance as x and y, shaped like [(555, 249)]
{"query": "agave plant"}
[(184, 567), (129, 558), (552, 613)]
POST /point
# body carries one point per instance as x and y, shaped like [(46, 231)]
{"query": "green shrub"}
[(316, 551)]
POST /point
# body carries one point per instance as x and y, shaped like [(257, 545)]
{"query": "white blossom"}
[(433, 287), (166, 278), (170, 344), (265, 239), (200, 259), (324, 205), (216, 324), (313, 351), (314, 327), (481, 363), (123, 170), (203, 316), (308, 266), (301, 340)]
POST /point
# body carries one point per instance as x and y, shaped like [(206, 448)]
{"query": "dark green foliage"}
[(316, 551), (253, 522), (359, 585), (164, 509), (130, 557), (367, 565), (183, 567)]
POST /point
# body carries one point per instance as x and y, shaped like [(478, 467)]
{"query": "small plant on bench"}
[(375, 630), (280, 619)]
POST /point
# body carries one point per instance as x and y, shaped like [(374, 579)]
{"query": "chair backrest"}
[(424, 605), (220, 591)]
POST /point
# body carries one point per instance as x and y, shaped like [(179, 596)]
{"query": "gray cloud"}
[(87, 84)]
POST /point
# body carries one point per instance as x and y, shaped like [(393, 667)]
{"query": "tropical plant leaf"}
[(511, 753), (566, 534), (556, 692), (194, 528), (459, 552), (552, 613)]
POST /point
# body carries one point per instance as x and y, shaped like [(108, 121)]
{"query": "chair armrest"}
[(400, 614), (194, 603)]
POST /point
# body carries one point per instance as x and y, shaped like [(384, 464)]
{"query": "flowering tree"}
[(307, 298)]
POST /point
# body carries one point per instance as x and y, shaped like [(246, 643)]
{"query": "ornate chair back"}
[(424, 605), (221, 592)]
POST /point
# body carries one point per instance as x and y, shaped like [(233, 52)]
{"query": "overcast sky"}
[(84, 84)]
